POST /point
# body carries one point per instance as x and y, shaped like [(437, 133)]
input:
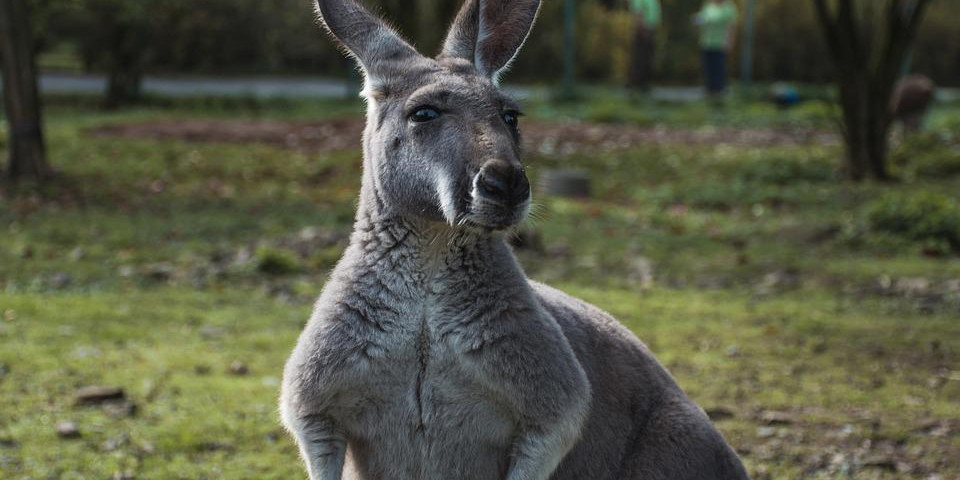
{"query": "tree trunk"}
[(878, 139), (854, 105), (867, 72), (123, 87), (27, 156), (126, 64), (866, 120)]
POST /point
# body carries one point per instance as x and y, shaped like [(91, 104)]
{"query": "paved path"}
[(259, 87), (274, 87)]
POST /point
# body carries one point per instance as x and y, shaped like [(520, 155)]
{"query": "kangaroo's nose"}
[(502, 182)]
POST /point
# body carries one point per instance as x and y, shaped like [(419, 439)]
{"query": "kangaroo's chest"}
[(424, 385), (429, 365)]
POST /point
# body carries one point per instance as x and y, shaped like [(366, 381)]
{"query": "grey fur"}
[(430, 355)]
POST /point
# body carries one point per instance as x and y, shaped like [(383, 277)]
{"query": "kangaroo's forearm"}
[(321, 446), (537, 454)]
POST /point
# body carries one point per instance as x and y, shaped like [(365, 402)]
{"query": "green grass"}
[(753, 273)]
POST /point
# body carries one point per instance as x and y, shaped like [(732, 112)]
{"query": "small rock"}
[(160, 272), (68, 430), (238, 368), (60, 280), (881, 462), (719, 413), (779, 280), (912, 286), (211, 332), (77, 254), (933, 382), (566, 183), (121, 409), (112, 444), (776, 418), (95, 395), (9, 443), (766, 432), (146, 448), (935, 428)]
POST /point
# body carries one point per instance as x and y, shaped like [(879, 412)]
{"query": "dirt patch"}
[(326, 136), (565, 139), (544, 138)]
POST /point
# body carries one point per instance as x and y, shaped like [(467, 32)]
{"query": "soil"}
[(541, 137)]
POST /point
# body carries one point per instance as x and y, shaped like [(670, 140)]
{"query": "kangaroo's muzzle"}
[(503, 183)]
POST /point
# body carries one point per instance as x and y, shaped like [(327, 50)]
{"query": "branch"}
[(847, 23), (904, 27), (830, 30)]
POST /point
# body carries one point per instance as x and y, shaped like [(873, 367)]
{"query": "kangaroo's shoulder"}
[(608, 349), (575, 315)]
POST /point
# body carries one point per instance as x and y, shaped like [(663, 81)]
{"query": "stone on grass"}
[(68, 430), (776, 418), (239, 368), (719, 413), (566, 183), (96, 395), (120, 409)]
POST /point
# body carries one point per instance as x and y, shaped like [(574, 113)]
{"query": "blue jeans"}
[(715, 70)]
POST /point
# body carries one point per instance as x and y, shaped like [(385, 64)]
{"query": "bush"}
[(929, 154), (276, 262), (926, 217)]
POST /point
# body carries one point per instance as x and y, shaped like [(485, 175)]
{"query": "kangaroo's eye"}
[(511, 118), (424, 114)]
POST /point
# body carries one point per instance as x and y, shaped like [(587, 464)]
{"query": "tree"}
[(116, 35), (868, 42), (27, 156)]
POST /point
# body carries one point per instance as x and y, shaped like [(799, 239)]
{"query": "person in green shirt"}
[(646, 20), (717, 21)]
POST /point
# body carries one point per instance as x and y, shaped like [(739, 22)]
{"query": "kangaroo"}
[(429, 354)]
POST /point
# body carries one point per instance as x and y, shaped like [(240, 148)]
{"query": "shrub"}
[(928, 154), (276, 262), (930, 218)]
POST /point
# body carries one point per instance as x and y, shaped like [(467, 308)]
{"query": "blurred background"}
[(180, 177)]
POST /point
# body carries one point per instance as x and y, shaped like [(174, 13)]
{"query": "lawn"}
[(814, 319)]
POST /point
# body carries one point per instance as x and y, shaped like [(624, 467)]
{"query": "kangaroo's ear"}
[(379, 50), (489, 33)]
